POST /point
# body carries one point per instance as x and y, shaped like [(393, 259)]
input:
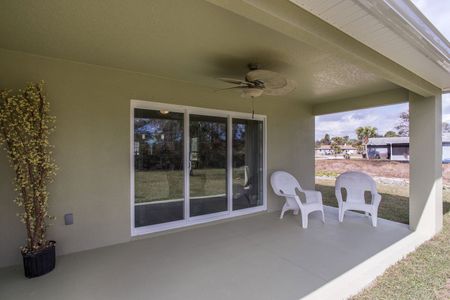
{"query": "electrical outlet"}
[(68, 219)]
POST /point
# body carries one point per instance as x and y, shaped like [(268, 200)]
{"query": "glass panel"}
[(158, 165), (400, 150), (208, 161), (247, 163)]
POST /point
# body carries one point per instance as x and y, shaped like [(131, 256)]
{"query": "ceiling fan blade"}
[(258, 82), (271, 80), (289, 87), (234, 81), (232, 88)]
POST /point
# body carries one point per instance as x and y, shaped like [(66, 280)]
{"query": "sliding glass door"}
[(208, 165), (158, 167), (247, 163), (189, 166)]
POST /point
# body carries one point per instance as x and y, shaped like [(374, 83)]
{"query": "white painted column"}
[(425, 208)]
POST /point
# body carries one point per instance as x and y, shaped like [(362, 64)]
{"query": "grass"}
[(327, 173), (423, 274), (164, 185)]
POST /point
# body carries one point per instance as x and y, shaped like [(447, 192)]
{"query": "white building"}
[(397, 148)]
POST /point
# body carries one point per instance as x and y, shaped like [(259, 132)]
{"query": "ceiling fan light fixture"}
[(252, 92)]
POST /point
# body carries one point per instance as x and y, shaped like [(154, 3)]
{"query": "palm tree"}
[(364, 133)]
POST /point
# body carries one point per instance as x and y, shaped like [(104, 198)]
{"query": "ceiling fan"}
[(258, 82)]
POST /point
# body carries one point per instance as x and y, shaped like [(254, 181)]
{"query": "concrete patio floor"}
[(256, 257)]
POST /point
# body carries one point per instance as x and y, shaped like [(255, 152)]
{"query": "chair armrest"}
[(288, 195), (312, 196), (376, 199)]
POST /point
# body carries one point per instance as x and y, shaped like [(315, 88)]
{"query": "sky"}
[(385, 118)]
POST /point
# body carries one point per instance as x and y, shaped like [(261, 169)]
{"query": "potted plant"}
[(25, 127)]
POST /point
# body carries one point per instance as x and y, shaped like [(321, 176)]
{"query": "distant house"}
[(349, 149), (326, 150), (397, 148)]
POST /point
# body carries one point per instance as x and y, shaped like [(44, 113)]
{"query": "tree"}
[(354, 142), (336, 148), (364, 133), (25, 128), (326, 140), (403, 124), (338, 140), (390, 133), (359, 147)]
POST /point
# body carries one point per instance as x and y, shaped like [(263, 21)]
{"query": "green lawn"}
[(164, 185), (423, 274)]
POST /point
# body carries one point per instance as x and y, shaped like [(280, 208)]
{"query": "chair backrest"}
[(283, 182), (356, 184)]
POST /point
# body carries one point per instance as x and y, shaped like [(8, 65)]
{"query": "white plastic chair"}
[(285, 185), (356, 184)]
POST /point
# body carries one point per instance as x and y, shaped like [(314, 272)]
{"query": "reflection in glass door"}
[(208, 165), (247, 163), (158, 167)]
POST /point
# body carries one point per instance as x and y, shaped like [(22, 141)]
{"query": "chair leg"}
[(374, 219), (304, 220), (341, 215), (248, 199), (323, 216), (283, 210)]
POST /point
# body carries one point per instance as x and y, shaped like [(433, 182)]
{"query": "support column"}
[(425, 205)]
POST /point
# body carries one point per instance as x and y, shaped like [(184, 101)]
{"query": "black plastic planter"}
[(39, 263)]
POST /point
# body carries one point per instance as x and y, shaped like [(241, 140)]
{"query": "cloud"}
[(384, 118), (446, 108), (341, 124)]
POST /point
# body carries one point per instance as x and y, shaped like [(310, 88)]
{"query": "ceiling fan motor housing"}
[(254, 66)]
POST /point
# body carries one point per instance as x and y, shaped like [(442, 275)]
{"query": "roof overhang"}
[(395, 29), (290, 19)]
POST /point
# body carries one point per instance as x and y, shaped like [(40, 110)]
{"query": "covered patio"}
[(155, 213), (255, 257)]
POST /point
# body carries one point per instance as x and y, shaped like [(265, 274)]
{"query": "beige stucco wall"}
[(92, 106)]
